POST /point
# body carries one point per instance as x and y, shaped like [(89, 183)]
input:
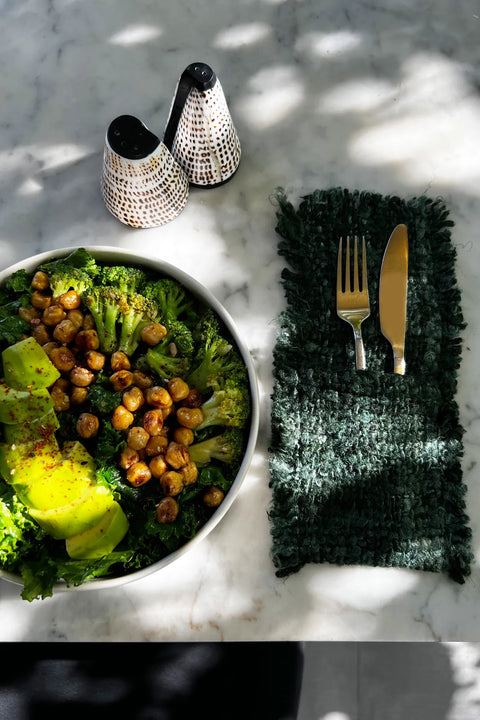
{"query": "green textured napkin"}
[(365, 466)]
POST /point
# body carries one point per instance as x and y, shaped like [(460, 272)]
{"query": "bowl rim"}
[(102, 253)]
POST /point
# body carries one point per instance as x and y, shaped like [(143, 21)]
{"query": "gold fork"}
[(353, 304)]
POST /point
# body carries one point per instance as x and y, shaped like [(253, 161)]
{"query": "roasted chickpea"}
[(61, 384), (65, 331), (213, 496), (63, 358), (121, 379), (122, 418), (156, 445), (28, 313), (189, 417), (177, 455), (171, 483), (142, 380), (80, 376), (137, 437), (119, 361), (53, 314), (95, 360), (158, 396), (153, 333), (153, 421), (41, 334), (194, 399), (189, 473), (61, 401), (39, 300), (133, 398), (167, 510), (87, 425), (87, 340), (49, 347), (158, 466), (76, 316), (70, 300), (88, 322), (128, 457), (178, 389), (78, 395), (138, 474), (40, 281), (183, 436)]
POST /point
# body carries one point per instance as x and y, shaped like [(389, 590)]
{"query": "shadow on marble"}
[(391, 681)]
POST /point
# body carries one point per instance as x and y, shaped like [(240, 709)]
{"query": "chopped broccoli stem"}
[(136, 312), (104, 304)]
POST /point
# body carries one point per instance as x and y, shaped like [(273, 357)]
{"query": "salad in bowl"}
[(128, 417)]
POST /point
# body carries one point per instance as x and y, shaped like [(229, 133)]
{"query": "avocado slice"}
[(37, 456), (27, 365), (38, 430), (44, 478), (76, 453), (77, 516), (23, 406), (101, 539)]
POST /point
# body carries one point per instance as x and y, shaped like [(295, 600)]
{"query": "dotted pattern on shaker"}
[(206, 144), (144, 193)]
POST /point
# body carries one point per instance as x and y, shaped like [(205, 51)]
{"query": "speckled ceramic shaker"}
[(142, 184), (200, 132)]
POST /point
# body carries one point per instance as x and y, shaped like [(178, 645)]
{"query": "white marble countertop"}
[(381, 96)]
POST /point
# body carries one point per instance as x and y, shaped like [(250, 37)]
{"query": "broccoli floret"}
[(179, 334), (70, 279), (171, 357), (76, 271), (171, 298), (207, 328), (126, 279), (165, 364), (216, 358), (136, 311), (229, 405), (227, 448), (104, 304), (119, 318)]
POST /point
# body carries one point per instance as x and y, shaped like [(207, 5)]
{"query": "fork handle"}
[(359, 350)]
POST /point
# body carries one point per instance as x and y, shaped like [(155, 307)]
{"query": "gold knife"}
[(393, 295)]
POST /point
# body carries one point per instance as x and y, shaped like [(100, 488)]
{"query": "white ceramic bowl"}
[(118, 256)]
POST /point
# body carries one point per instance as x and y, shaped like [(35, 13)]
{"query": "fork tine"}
[(356, 286), (364, 266), (347, 266), (339, 268)]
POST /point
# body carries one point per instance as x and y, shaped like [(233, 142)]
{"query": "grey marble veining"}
[(381, 96)]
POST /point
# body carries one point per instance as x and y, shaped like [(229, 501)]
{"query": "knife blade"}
[(393, 295)]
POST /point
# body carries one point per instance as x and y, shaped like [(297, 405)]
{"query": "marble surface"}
[(379, 95)]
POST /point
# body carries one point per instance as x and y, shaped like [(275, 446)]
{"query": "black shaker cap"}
[(130, 138)]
